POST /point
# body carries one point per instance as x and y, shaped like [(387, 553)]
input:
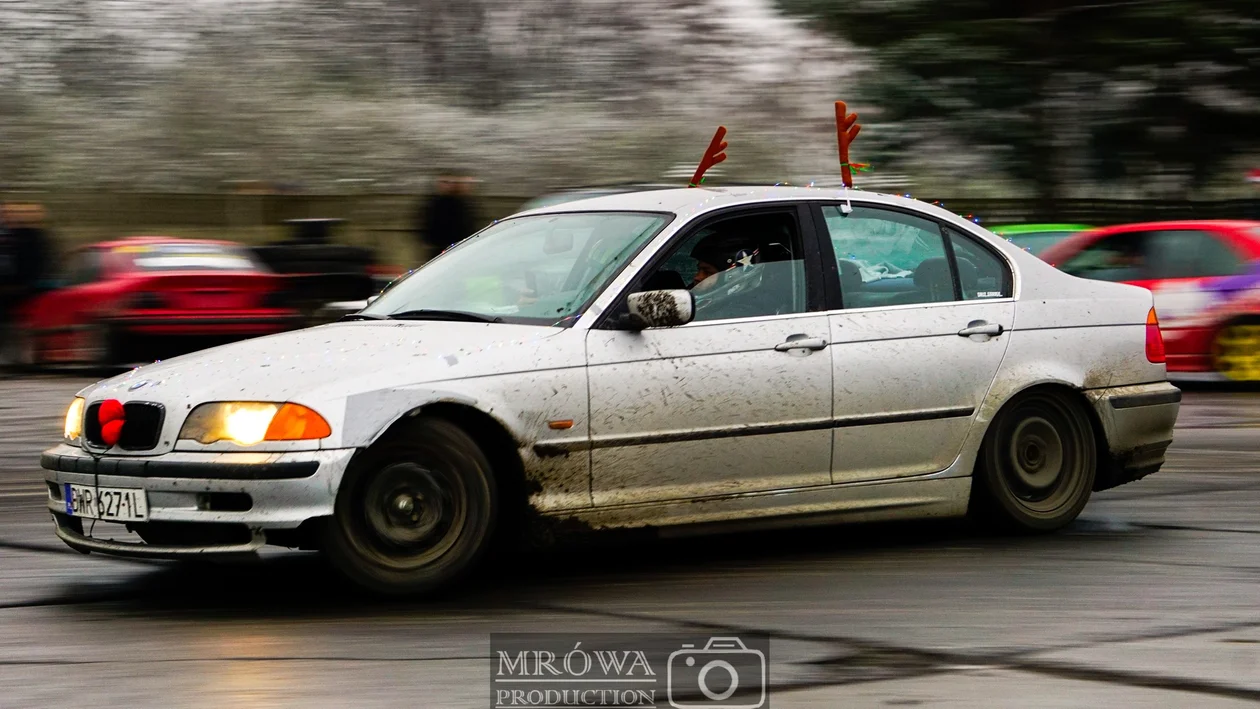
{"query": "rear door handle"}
[(981, 327), (801, 342)]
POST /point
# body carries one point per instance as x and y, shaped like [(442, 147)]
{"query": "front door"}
[(737, 401), (917, 340)]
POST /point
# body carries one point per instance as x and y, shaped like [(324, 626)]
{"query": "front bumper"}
[(282, 491), (1137, 422)]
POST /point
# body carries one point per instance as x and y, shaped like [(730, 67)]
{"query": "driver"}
[(719, 252)]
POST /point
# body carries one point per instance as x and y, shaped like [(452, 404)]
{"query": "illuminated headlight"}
[(74, 420), (248, 423)]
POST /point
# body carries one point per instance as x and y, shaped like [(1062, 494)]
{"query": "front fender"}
[(370, 414)]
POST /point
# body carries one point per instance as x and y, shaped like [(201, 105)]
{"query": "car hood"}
[(333, 360)]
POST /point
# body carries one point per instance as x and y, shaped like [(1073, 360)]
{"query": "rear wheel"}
[(1236, 350), (1037, 464), (415, 512)]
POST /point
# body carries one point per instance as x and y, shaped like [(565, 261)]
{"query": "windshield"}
[(552, 200), (542, 269), (1036, 242), (192, 256)]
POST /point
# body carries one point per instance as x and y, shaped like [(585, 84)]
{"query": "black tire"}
[(415, 512), (1037, 464)]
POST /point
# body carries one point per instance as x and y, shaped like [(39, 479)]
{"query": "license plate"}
[(115, 504)]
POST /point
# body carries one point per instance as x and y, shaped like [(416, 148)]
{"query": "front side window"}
[(751, 265), (542, 269), (888, 258), (1119, 257)]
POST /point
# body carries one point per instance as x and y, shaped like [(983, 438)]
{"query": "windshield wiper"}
[(363, 316), (458, 315)]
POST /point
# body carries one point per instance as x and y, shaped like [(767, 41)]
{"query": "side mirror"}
[(661, 308), (372, 299)]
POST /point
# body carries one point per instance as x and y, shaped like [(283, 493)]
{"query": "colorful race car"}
[(1036, 238), (138, 298), (1206, 279)]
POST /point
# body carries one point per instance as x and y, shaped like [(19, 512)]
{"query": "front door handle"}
[(801, 342), (981, 327)]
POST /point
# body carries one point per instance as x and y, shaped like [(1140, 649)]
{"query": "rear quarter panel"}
[(1072, 331)]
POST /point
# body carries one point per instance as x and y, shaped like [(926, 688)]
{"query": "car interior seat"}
[(968, 277), (851, 284), (933, 282), (665, 280)]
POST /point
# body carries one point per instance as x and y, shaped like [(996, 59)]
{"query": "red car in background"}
[(1205, 276), (141, 298)]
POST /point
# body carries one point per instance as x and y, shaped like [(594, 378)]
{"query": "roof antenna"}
[(713, 155), (847, 129)]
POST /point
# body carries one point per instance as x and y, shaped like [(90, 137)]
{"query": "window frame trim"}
[(944, 229)]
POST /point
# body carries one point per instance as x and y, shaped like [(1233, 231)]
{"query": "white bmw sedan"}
[(664, 359)]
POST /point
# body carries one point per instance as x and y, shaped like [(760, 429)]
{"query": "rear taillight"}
[(1154, 339)]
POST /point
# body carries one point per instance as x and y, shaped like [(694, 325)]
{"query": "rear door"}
[(918, 331)]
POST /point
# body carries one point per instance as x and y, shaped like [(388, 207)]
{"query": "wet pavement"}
[(1151, 599)]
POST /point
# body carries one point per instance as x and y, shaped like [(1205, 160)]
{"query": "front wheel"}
[(414, 512), (1037, 464)]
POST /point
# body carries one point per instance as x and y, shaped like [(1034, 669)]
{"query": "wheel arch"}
[(994, 406), (495, 438)]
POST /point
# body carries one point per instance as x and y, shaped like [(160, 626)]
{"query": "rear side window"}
[(888, 258), (982, 274), (1186, 253)]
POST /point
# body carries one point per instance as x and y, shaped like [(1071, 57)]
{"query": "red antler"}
[(847, 129), (712, 156)]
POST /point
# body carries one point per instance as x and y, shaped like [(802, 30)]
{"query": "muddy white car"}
[(676, 359)]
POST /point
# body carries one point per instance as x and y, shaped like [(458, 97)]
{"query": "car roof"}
[(135, 240), (685, 201), (1179, 224)]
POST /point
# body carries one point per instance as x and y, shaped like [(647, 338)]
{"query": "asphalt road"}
[(1151, 599)]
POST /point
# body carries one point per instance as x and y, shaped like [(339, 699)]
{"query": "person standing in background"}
[(447, 217), (24, 263), (8, 287)]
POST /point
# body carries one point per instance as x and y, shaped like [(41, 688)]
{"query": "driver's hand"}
[(706, 285)]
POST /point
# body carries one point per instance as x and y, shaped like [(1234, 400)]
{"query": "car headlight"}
[(247, 423), (74, 420)]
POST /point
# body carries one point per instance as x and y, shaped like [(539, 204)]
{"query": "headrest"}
[(665, 280)]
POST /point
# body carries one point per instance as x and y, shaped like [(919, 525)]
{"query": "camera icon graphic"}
[(711, 676)]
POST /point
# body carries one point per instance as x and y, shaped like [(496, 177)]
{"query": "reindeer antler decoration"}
[(847, 129), (712, 155)]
